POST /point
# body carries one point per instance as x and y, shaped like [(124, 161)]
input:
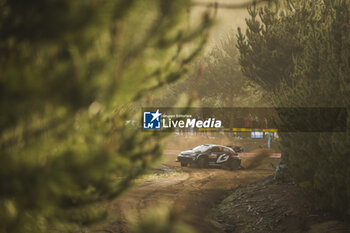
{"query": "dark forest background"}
[(72, 73)]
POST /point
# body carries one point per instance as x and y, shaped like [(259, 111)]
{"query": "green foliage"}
[(313, 48), (223, 81), (69, 73), (219, 81)]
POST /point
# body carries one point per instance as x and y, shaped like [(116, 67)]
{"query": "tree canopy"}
[(301, 56), (70, 71)]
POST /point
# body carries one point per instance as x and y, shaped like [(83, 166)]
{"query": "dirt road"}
[(192, 191)]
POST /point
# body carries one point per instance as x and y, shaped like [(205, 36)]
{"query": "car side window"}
[(218, 149)]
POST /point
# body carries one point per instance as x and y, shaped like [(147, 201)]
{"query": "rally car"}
[(210, 155)]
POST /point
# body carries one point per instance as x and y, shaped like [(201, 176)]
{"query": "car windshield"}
[(201, 148)]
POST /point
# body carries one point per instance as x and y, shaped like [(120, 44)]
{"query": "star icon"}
[(156, 115)]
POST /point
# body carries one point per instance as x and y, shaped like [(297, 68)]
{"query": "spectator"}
[(264, 123), (255, 122), (248, 121)]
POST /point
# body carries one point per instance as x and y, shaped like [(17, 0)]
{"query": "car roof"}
[(212, 145)]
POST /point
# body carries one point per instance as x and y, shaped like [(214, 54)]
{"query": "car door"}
[(214, 154), (223, 155)]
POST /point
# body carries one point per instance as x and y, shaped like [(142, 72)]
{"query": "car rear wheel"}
[(202, 162), (183, 164), (235, 164)]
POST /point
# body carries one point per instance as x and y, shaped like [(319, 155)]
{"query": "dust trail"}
[(262, 156)]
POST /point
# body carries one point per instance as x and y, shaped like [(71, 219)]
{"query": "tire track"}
[(195, 191)]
